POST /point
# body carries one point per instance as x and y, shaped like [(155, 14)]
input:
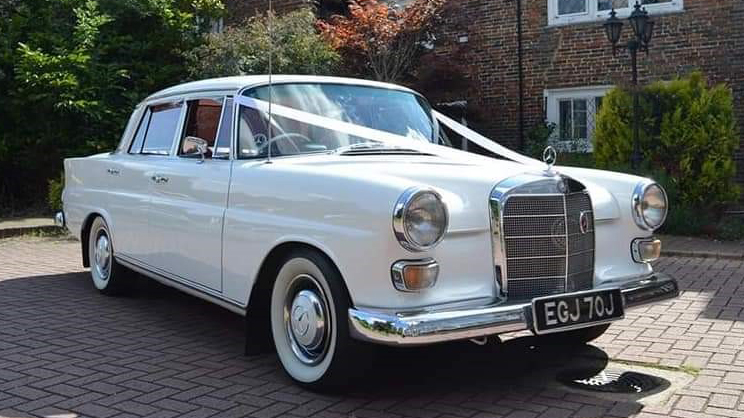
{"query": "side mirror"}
[(193, 145)]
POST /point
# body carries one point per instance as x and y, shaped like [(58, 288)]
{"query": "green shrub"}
[(730, 229), (576, 159), (54, 193), (70, 73), (688, 137), (537, 139), (245, 48)]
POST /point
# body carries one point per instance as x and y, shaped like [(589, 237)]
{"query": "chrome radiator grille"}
[(546, 250)]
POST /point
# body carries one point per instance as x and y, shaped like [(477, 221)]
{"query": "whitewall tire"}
[(309, 325), (108, 275)]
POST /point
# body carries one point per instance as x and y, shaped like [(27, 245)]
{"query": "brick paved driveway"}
[(66, 351)]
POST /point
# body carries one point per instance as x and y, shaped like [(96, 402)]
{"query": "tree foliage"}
[(379, 40), (688, 137), (71, 72), (245, 49)]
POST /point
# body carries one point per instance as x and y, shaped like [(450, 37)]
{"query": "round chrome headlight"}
[(649, 205), (420, 219)]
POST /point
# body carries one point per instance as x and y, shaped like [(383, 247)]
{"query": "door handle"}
[(159, 179), (113, 171)]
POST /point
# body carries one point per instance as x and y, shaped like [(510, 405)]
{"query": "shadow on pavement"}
[(58, 330)]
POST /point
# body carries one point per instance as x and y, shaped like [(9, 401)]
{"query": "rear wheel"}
[(309, 308), (109, 277)]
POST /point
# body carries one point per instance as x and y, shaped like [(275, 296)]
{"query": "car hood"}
[(456, 180)]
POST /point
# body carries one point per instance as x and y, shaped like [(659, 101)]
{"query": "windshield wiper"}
[(376, 148)]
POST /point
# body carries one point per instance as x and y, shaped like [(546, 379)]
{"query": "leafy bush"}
[(54, 193), (576, 159), (245, 48), (731, 229), (380, 39), (70, 73), (688, 136), (537, 139)]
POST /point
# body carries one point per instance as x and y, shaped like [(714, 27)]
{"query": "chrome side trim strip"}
[(179, 285)]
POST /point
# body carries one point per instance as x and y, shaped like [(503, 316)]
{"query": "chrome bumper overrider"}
[(455, 324), (59, 219)]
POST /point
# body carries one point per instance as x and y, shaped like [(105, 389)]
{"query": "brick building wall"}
[(706, 35)]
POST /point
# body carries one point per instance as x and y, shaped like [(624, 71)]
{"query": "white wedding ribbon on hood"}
[(605, 204), (391, 139)]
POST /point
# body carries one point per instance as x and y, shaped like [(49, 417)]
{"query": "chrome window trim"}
[(184, 115), (144, 118), (179, 102), (637, 204), (225, 99), (399, 217)]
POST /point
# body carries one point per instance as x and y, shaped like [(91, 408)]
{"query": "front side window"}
[(161, 130), (210, 120), (575, 11), (393, 111), (202, 121)]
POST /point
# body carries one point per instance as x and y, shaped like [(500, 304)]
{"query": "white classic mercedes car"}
[(334, 213)]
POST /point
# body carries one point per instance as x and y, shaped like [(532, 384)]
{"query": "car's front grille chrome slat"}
[(546, 248)]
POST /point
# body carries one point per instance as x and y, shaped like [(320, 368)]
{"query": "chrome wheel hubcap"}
[(306, 319), (102, 255)]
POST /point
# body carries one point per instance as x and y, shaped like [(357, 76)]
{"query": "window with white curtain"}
[(574, 111), (561, 12)]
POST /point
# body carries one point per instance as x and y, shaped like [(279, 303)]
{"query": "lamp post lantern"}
[(643, 30)]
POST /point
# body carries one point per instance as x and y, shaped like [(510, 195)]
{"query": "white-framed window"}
[(564, 12), (574, 111)]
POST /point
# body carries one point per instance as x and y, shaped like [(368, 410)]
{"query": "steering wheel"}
[(288, 136)]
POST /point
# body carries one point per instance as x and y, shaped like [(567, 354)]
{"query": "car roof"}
[(239, 82)]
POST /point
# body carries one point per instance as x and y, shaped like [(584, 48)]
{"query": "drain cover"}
[(612, 381)]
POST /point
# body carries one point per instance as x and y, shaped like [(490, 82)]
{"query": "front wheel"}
[(309, 308)]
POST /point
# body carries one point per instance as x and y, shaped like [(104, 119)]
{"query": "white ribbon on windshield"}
[(484, 142), (394, 140)]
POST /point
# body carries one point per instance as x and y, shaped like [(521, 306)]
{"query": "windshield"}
[(397, 112)]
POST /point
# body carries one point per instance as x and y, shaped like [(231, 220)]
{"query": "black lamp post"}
[(643, 30)]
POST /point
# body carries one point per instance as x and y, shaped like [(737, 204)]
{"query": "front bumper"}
[(435, 326)]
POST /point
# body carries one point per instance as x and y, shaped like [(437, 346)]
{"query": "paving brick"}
[(723, 401), (169, 355), (136, 408), (691, 403), (96, 410)]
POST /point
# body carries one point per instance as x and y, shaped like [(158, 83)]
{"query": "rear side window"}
[(161, 130)]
